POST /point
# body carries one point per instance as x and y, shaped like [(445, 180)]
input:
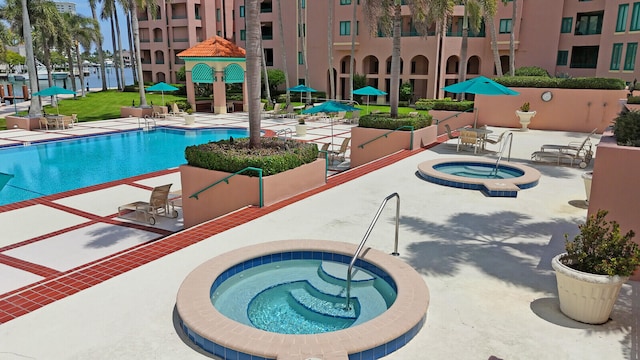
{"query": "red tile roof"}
[(214, 47)]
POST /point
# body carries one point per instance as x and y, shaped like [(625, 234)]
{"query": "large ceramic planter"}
[(301, 130), (525, 118), (189, 119), (585, 297)]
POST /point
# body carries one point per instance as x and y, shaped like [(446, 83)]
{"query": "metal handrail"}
[(146, 122), (284, 132), (504, 145), (361, 146), (454, 115), (226, 180), (366, 236)]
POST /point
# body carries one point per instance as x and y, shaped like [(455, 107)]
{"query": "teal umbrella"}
[(162, 87), (54, 91), (481, 86), (329, 107), (301, 89), (368, 91)]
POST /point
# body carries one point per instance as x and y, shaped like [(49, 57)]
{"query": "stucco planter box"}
[(242, 190), (362, 153), (25, 123), (127, 111)]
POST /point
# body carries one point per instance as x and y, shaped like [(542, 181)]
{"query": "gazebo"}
[(215, 61)]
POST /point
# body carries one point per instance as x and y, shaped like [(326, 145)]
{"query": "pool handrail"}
[(361, 146), (366, 237), (437, 121), (226, 180), (509, 138)]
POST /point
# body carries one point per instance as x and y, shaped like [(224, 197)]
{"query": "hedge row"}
[(443, 104), (385, 121), (274, 155), (626, 128), (563, 83)]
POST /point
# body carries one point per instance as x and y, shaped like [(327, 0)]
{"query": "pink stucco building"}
[(572, 37)]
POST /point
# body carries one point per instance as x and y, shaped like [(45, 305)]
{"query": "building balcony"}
[(144, 40), (145, 61), (180, 39), (159, 62), (178, 17), (157, 40)]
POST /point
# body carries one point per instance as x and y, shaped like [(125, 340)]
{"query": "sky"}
[(83, 8)]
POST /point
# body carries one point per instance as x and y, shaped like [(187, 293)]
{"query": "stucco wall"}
[(241, 190), (569, 109), (615, 183), (127, 111), (20, 122), (384, 146)]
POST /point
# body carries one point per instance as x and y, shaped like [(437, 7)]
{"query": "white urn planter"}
[(525, 118), (301, 130), (189, 119), (588, 298)]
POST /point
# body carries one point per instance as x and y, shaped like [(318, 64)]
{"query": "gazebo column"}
[(191, 94), (219, 93)]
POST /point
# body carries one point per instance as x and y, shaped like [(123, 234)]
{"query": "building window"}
[(302, 29), (218, 15), (585, 57), (303, 4), (505, 26), (589, 23), (300, 58), (635, 17), (345, 28), (219, 33), (345, 2), (630, 56), (621, 23), (616, 55), (241, 11), (243, 35), (268, 57), (567, 24), (563, 58)]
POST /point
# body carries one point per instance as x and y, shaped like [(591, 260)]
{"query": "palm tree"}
[(471, 18), (98, 40), (78, 30), (35, 108), (332, 81), (512, 36), (284, 52), (302, 26), (252, 24), (352, 62), (108, 10), (489, 9)]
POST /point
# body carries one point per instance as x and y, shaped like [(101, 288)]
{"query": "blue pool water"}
[(302, 297), (57, 166), (479, 170)]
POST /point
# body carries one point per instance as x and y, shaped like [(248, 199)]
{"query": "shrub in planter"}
[(626, 128), (273, 156), (444, 104), (531, 71), (385, 121), (633, 100)]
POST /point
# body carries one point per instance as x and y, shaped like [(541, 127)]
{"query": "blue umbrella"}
[(301, 89), (54, 91), (162, 86), (480, 86), (329, 107), (369, 91)]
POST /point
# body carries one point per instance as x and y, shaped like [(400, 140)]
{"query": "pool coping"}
[(406, 315), (494, 187)]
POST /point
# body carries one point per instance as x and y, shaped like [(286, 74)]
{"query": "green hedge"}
[(626, 128), (385, 121), (531, 71), (633, 100), (443, 104), (274, 155), (563, 83)]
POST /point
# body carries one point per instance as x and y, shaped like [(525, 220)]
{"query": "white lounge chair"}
[(158, 205), (574, 153)]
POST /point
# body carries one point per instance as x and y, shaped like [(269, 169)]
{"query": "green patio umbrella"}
[(162, 87), (54, 91)]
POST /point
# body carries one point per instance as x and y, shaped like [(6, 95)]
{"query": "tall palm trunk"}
[(120, 62), (253, 69), (302, 15), (80, 71), (284, 53), (94, 14), (72, 74), (266, 75), (462, 72), (116, 68), (394, 91), (132, 53), (352, 62), (332, 81), (136, 39), (512, 39), (488, 19), (35, 108)]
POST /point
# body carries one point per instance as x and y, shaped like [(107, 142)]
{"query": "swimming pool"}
[(52, 167)]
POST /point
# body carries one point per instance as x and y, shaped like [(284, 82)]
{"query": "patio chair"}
[(44, 122), (495, 140), (355, 117), (74, 117), (340, 116), (449, 132), (469, 138), (175, 110), (66, 122), (325, 148), (275, 111), (160, 112), (342, 152), (158, 205), (574, 153)]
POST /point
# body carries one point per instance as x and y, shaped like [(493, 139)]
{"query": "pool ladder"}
[(508, 139), (284, 133), (148, 121), (366, 237)]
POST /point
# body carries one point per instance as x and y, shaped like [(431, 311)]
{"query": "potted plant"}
[(189, 118), (590, 274), (301, 127), (524, 115)]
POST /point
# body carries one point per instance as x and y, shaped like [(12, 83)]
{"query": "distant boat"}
[(108, 63), (42, 74)]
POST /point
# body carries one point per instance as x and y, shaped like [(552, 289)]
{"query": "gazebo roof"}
[(214, 47)]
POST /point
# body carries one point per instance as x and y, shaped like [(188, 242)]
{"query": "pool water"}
[(479, 170), (301, 297), (52, 167)]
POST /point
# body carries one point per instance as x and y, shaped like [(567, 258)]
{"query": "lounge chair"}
[(414, 114), (342, 152), (574, 153), (469, 138), (340, 116), (158, 205), (175, 110), (160, 112), (355, 117), (275, 111)]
